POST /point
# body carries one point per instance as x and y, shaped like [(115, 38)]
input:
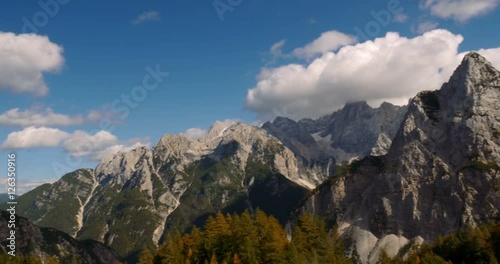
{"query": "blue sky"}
[(220, 63)]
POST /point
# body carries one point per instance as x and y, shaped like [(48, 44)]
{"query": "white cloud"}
[(390, 68), (328, 41), (24, 59), (103, 143), (78, 144), (195, 133), (426, 26), (460, 10), (146, 16), (81, 144), (38, 117), (34, 137), (401, 18)]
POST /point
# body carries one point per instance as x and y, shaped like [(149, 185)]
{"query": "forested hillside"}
[(251, 239)]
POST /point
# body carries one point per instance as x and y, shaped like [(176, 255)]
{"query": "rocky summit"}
[(390, 177)]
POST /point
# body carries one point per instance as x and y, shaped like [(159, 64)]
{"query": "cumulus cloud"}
[(328, 41), (24, 59), (78, 144), (34, 137), (146, 16), (38, 117), (96, 146), (391, 68), (460, 10)]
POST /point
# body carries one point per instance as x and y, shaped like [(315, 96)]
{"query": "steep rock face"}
[(132, 199), (441, 173), (315, 158), (43, 242), (359, 130), (355, 131)]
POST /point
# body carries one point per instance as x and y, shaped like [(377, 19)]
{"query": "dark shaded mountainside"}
[(44, 242), (433, 170)]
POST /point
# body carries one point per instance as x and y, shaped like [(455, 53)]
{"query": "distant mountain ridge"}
[(355, 131)]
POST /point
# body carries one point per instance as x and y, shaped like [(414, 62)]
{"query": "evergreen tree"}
[(146, 257), (51, 260), (213, 260), (383, 258), (244, 238), (236, 259)]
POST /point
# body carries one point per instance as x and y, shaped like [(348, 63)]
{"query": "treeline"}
[(258, 238), (234, 239), (245, 238)]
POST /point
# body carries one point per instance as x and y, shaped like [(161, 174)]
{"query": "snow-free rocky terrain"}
[(426, 169)]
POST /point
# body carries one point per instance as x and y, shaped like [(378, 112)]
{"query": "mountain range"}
[(388, 177)]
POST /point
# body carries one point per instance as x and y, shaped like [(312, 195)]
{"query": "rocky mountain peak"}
[(473, 75), (218, 128), (357, 107)]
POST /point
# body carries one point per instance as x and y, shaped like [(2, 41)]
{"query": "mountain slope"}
[(132, 199), (440, 174), (42, 242)]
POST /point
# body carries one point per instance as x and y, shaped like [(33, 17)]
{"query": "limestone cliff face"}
[(440, 174)]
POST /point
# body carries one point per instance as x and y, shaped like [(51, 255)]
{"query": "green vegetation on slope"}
[(478, 245)]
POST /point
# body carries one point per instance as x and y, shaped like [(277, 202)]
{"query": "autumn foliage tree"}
[(252, 239)]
